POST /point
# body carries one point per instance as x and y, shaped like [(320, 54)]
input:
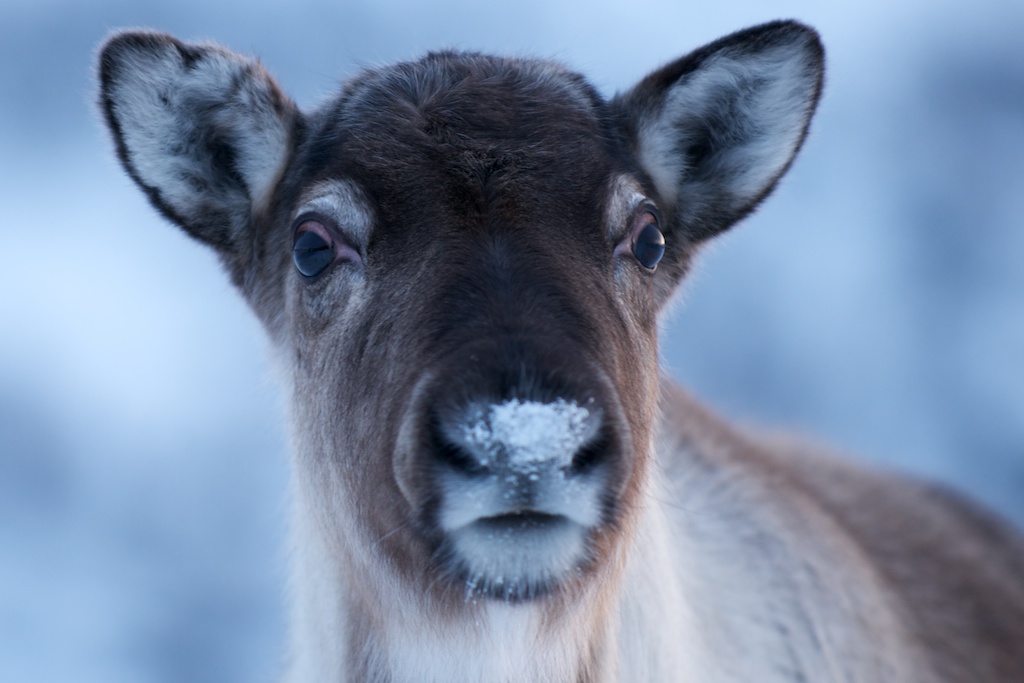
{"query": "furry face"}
[(461, 261), (448, 239)]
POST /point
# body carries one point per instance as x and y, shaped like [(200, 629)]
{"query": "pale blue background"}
[(876, 302)]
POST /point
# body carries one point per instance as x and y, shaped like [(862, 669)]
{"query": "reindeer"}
[(461, 262)]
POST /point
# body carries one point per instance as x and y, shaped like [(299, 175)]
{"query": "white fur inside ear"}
[(193, 127), (754, 106), (661, 156)]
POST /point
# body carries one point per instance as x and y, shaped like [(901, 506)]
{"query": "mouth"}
[(524, 520), (516, 556)]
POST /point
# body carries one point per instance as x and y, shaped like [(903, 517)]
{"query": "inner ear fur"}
[(716, 129), (203, 131)]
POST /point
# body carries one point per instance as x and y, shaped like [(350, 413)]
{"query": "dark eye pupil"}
[(649, 246), (312, 253)]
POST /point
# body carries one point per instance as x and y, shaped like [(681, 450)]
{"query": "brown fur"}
[(486, 207)]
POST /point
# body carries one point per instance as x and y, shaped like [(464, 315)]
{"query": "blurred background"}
[(876, 302)]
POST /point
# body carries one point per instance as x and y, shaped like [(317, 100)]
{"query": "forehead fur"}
[(469, 126)]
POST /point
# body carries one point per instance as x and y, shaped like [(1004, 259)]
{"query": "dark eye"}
[(313, 250), (648, 243)]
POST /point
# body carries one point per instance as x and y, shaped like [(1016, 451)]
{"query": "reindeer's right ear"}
[(204, 132)]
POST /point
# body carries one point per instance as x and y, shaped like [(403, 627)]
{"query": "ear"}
[(716, 129), (204, 132)]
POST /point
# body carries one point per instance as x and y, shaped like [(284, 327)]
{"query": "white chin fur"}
[(518, 560)]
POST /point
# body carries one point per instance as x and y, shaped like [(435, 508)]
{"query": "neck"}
[(628, 619), (491, 642)]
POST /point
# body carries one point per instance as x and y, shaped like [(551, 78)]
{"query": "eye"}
[(648, 244), (313, 250)]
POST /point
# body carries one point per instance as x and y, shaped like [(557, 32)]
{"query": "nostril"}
[(590, 455), (453, 454), (460, 459)]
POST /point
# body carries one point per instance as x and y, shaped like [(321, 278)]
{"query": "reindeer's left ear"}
[(716, 129), (203, 131)]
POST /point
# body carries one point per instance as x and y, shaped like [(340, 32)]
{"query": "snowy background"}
[(875, 302)]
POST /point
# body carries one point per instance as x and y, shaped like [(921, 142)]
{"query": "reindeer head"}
[(461, 261)]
